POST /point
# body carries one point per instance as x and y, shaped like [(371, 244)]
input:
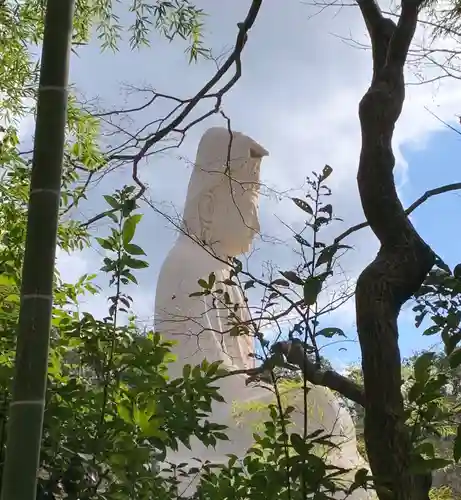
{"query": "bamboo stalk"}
[(29, 386)]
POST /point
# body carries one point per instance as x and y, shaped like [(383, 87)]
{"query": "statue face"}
[(235, 222), (230, 220), (222, 198)]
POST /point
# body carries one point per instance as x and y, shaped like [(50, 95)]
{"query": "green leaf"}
[(218, 397), (153, 430), (196, 372), (124, 413), (326, 172), (186, 371), (6, 280), (312, 287), (415, 391), (421, 466), (232, 460), (13, 297), (457, 445), (330, 332), (112, 217), (302, 241), (238, 266), (105, 244), (136, 263), (419, 318), (328, 209), (327, 254), (432, 330), (293, 277), (112, 201), (303, 205), (361, 476), (299, 445), (129, 276), (134, 249), (280, 282), (422, 367), (211, 280), (455, 358), (140, 418), (203, 283), (249, 284), (213, 368), (129, 228), (451, 342), (428, 397), (457, 271)]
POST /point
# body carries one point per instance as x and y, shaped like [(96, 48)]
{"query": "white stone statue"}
[(220, 221), (221, 212)]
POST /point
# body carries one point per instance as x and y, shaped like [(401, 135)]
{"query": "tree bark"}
[(28, 401), (401, 265), (295, 354)]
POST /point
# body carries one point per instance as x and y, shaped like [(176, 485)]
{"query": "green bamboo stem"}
[(29, 387)]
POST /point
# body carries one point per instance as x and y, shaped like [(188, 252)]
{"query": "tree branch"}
[(428, 194), (174, 121), (234, 58), (372, 16), (380, 29), (404, 32), (295, 354)]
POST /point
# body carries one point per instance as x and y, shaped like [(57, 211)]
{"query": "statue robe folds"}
[(220, 220)]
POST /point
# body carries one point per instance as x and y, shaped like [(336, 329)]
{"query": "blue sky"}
[(431, 164), (437, 164), (436, 220), (298, 97)]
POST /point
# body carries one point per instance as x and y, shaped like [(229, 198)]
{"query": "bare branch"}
[(428, 194), (174, 121), (234, 58)]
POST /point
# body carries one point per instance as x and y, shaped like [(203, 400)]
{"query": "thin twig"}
[(428, 194)]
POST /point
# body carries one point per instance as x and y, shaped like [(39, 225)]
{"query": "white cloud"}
[(72, 266), (26, 130)]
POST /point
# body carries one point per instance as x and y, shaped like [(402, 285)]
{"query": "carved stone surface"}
[(220, 221)]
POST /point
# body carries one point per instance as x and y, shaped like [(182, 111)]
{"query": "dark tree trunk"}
[(27, 405), (401, 265)]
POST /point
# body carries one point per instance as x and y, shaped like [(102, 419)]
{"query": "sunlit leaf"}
[(129, 228), (312, 287), (330, 332), (134, 249)]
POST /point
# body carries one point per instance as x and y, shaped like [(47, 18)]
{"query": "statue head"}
[(222, 198)]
